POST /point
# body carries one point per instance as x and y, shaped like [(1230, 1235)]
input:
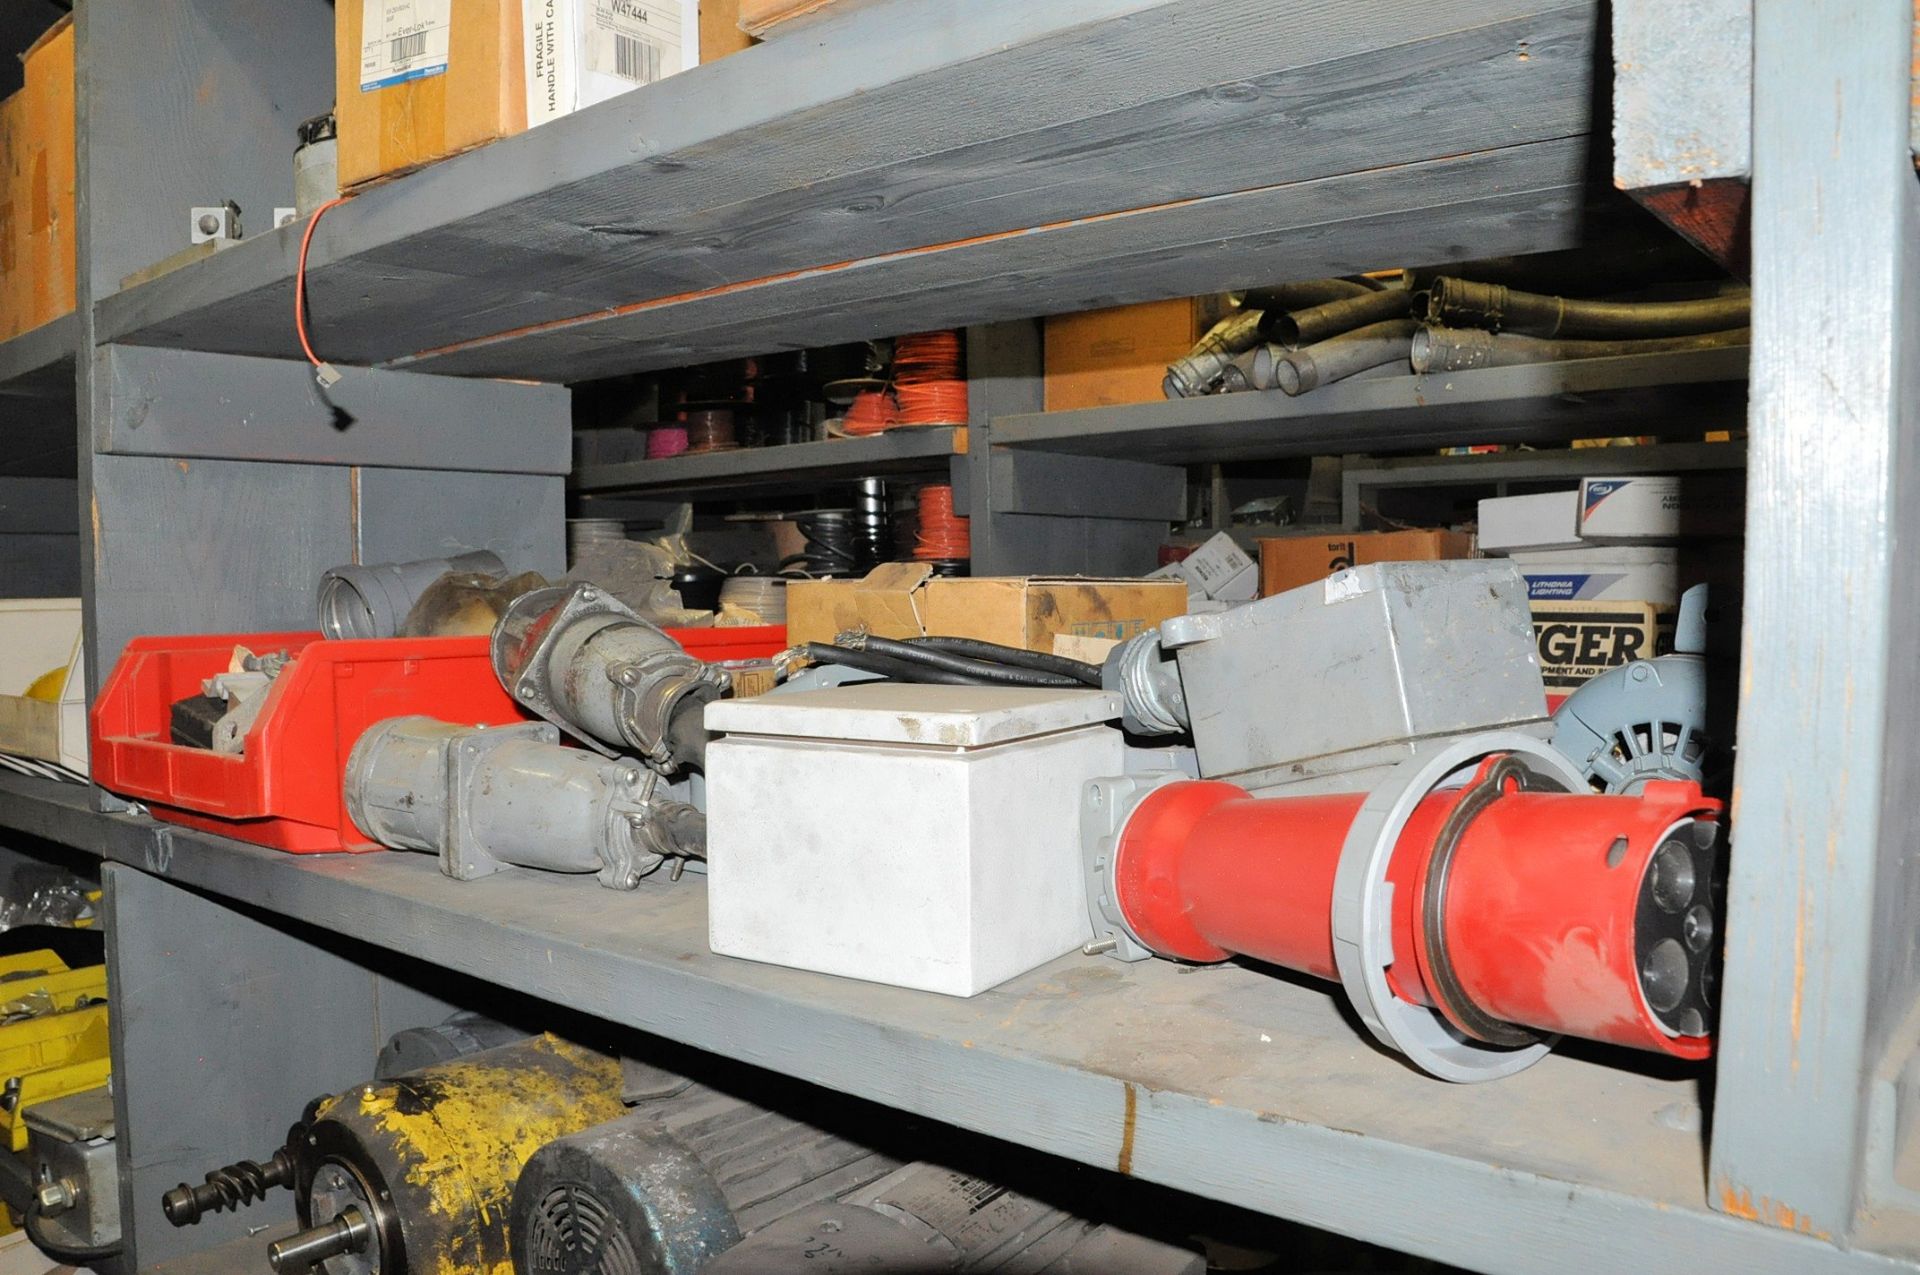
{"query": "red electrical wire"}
[(872, 412), (300, 281), (928, 379), (943, 535)]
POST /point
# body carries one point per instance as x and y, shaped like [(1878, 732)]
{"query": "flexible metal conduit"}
[(1297, 371), (1465, 303), (1458, 349), (1295, 328)]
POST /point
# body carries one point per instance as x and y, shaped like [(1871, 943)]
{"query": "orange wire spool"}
[(928, 379), (944, 536), (872, 412)]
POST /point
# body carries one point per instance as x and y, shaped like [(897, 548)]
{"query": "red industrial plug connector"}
[(1479, 902)]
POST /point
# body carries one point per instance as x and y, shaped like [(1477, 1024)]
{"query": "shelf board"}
[(38, 363), (924, 449), (38, 435), (1538, 403), (911, 166), (1223, 1081)]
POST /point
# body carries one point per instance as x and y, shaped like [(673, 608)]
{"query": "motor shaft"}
[(348, 1233)]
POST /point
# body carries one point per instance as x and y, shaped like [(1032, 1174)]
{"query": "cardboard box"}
[(1581, 640), (761, 17), (462, 88), (37, 165), (1218, 571), (903, 600), (1641, 508), (1545, 520), (1104, 358), (1606, 573), (416, 82), (578, 53), (1291, 561)]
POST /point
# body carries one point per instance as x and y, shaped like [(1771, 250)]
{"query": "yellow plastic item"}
[(46, 687), (53, 1035)]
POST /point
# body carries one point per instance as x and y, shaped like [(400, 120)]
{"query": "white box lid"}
[(902, 713)]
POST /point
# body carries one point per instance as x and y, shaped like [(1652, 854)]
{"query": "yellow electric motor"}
[(415, 1175)]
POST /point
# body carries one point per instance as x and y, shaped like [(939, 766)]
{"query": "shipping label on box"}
[(582, 52), (403, 40), (1292, 561), (1581, 640)]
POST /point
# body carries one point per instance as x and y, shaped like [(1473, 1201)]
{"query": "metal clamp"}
[(1444, 981), (1363, 909), (1105, 807)]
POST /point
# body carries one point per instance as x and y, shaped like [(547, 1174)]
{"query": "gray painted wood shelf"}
[(1538, 403), (710, 215), (1223, 1081), (38, 363), (922, 449)]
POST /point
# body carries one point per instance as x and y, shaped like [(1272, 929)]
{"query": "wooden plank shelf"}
[(1538, 403), (804, 466), (864, 181), (38, 364), (1224, 1081)]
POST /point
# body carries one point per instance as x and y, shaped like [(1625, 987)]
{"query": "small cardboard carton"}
[(1581, 640), (1218, 571), (1545, 520), (1291, 561), (1606, 573), (904, 600)]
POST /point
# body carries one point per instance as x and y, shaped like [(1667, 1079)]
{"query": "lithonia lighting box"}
[(922, 836)]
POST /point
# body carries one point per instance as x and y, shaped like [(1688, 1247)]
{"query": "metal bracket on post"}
[(1363, 909)]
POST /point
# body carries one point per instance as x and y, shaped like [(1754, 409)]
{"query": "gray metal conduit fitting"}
[(1297, 371), (489, 798), (1498, 308), (1208, 361), (358, 601), (585, 662), (1148, 678), (1460, 349)]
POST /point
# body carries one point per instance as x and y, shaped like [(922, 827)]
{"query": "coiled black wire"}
[(831, 549)]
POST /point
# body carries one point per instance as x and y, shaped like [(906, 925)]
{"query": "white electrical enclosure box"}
[(923, 836)]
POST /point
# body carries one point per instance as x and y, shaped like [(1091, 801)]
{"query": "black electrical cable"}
[(59, 1252), (870, 662), (981, 671), (831, 548), (994, 652)]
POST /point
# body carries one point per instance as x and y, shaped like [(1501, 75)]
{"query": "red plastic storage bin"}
[(285, 791)]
